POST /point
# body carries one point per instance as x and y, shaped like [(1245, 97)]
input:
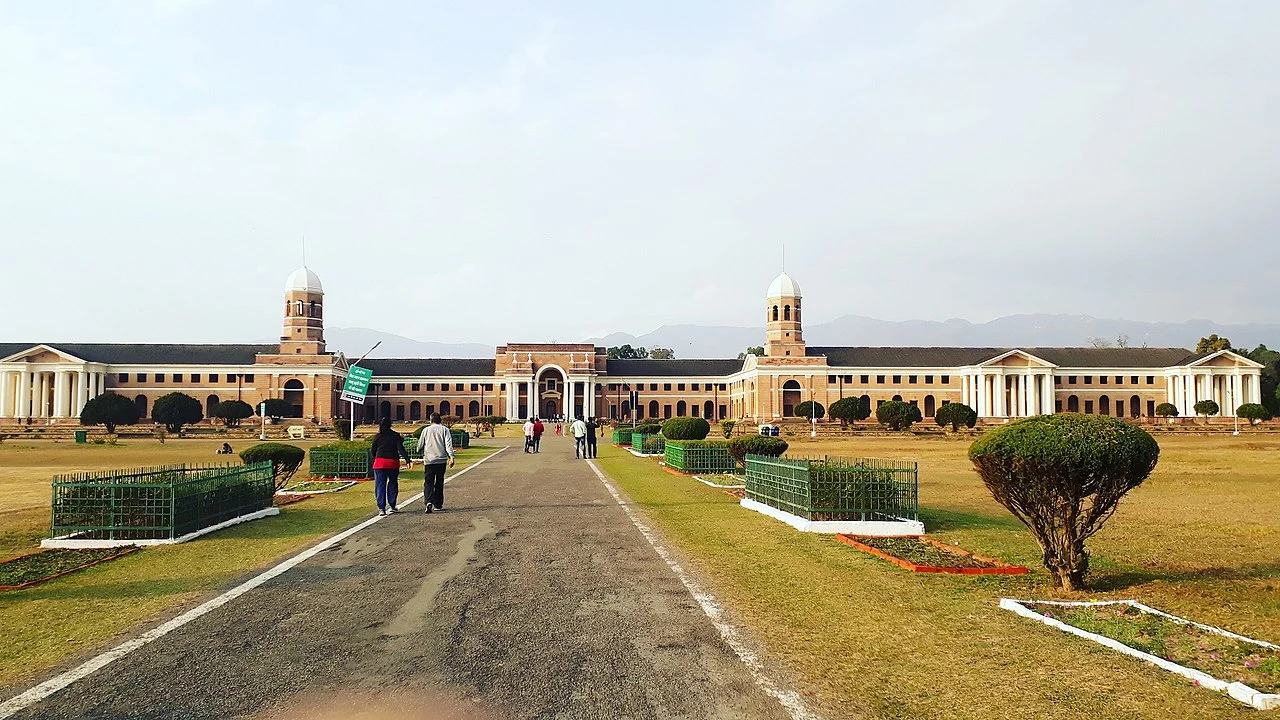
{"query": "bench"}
[(297, 432)]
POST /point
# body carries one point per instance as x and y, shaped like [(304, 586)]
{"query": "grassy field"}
[(46, 625), (1200, 539)]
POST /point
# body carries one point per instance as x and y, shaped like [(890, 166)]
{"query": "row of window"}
[(1102, 379), (653, 387), (880, 379), (159, 378), (444, 387), (680, 409)]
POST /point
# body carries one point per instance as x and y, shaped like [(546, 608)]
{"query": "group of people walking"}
[(584, 436), (435, 444)]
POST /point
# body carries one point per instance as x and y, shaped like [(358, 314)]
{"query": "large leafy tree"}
[(810, 409), (232, 412), (1063, 476), (109, 410), (177, 409), (1213, 343), (1254, 413), (1270, 384), (285, 459), (276, 408), (626, 352), (659, 353), (850, 409), (1206, 408), (956, 415), (897, 415)]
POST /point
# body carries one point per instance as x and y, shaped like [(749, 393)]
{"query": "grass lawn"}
[(46, 625), (1201, 539)]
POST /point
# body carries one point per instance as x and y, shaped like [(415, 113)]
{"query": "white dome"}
[(305, 280), (783, 286)]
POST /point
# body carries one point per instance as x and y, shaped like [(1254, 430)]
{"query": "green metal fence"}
[(622, 436), (698, 457), (648, 444), (835, 488), (157, 503), (461, 438), (338, 463)]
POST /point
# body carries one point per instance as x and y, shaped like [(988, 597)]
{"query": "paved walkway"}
[(531, 596)]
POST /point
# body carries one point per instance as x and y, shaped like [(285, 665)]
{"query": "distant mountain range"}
[(703, 341)]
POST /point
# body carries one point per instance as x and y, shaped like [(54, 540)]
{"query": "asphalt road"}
[(531, 596)]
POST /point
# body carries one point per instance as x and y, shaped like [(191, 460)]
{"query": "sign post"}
[(635, 403), (355, 389), (262, 411)]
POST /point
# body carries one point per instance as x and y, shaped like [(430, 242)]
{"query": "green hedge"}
[(701, 456), (285, 459), (741, 447), (622, 436), (686, 428), (346, 459)]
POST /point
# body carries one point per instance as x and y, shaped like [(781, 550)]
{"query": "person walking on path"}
[(591, 437), (384, 459), (436, 446), (528, 435), (579, 430), (538, 429)]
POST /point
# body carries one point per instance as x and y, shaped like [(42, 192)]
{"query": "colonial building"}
[(49, 383)]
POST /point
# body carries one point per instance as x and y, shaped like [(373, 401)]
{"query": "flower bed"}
[(1246, 669), (922, 554), (33, 569)]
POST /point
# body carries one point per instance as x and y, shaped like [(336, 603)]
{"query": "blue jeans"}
[(386, 487), (580, 446)]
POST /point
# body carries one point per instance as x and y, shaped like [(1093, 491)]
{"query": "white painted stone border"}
[(344, 485), (718, 485), (873, 528), (1239, 691), (70, 541)]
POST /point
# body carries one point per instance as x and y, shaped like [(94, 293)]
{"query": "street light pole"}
[(353, 402)]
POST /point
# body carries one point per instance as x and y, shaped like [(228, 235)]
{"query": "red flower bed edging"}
[(282, 500), (998, 567), (736, 493), (20, 586), (677, 473)]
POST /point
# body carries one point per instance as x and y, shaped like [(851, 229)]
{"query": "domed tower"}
[(303, 314), (783, 334)]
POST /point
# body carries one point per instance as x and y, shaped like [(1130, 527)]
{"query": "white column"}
[(998, 389), (1238, 384), (533, 401), (1255, 388), (588, 398), (6, 395), (568, 399), (964, 390), (1022, 408), (23, 408), (82, 391), (980, 386), (1050, 395), (43, 387), (59, 394)]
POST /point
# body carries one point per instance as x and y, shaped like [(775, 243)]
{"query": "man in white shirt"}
[(528, 434), (579, 430)]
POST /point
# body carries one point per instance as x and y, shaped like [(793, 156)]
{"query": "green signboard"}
[(357, 384)]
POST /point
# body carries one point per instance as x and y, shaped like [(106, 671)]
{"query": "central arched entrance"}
[(294, 392), (551, 391), (791, 393)]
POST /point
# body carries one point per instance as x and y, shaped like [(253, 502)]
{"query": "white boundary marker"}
[(1239, 691), (875, 528), (704, 481), (20, 702), (341, 486), (70, 541), (789, 699)]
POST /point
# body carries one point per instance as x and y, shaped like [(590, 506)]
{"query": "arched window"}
[(311, 309), (708, 410), (797, 311), (681, 408), (445, 407), (786, 312), (384, 410), (775, 313), (294, 394), (897, 398), (1104, 405), (399, 412), (1135, 406), (415, 411), (210, 403), (1073, 404), (791, 393), (473, 409), (653, 409), (929, 406), (626, 409), (141, 403)]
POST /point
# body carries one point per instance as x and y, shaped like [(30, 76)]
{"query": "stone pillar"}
[(82, 391), (23, 405), (589, 398), (533, 400), (998, 387), (1237, 384), (59, 394), (964, 390), (980, 385), (42, 387), (1050, 395), (6, 394)]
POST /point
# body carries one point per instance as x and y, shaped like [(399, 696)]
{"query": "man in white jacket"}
[(436, 446), (528, 435), (579, 430)]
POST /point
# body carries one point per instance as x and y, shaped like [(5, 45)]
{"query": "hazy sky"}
[(631, 164)]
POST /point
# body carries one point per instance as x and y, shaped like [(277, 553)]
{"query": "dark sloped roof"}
[(430, 367), (674, 368), (152, 354), (959, 356)]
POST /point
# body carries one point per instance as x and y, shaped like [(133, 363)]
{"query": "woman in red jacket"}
[(384, 459)]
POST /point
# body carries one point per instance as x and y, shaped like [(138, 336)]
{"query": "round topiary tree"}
[(285, 459), (686, 428), (1206, 408), (726, 428), (109, 410), (1253, 412), (897, 415), (646, 429), (175, 410), (810, 409), (276, 408), (956, 415), (845, 410), (232, 411), (1167, 410), (1062, 476), (744, 445)]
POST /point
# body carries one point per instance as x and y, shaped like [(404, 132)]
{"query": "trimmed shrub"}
[(285, 459), (276, 408), (850, 409), (956, 415), (1166, 410), (741, 447), (342, 428), (232, 411), (897, 415), (653, 445), (1253, 412), (109, 410), (647, 429), (810, 409), (1206, 408), (1062, 476), (726, 428), (177, 409), (686, 428)]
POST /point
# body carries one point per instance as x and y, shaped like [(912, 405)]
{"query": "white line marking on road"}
[(789, 699), (20, 702)]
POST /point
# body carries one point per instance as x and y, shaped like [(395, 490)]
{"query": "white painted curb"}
[(15, 704), (343, 486), (872, 528), (1239, 691), (70, 541), (718, 485)]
